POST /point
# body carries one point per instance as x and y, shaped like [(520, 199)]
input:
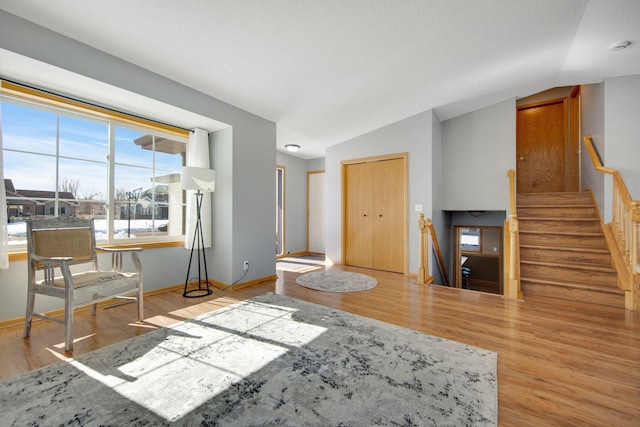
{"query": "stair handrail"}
[(512, 288), (425, 225), (624, 227)]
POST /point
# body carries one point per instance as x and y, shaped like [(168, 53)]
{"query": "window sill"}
[(21, 256)]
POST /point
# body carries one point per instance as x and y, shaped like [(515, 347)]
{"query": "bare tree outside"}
[(90, 202), (69, 185), (90, 195), (121, 194)]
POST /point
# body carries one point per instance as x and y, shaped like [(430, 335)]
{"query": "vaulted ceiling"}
[(329, 70)]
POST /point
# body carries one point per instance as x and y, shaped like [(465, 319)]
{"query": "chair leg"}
[(28, 318), (68, 324), (140, 302), (94, 309)]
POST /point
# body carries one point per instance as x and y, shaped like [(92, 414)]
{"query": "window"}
[(61, 162), (470, 239)]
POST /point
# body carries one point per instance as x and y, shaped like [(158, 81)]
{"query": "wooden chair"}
[(56, 244)]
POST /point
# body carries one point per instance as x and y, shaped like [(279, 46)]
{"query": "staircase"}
[(563, 252)]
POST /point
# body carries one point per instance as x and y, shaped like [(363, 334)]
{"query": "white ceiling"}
[(326, 71)]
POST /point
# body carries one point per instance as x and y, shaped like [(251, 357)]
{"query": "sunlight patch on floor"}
[(202, 357)]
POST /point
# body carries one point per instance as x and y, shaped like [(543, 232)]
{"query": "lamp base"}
[(201, 291), (197, 293), (198, 245)]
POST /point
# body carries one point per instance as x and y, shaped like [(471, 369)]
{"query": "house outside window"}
[(59, 162)]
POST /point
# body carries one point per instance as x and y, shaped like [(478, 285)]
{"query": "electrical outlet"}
[(246, 265)]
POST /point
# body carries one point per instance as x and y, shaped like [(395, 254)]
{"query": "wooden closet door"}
[(358, 215), (388, 210)]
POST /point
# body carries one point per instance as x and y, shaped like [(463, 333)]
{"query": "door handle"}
[(523, 158)]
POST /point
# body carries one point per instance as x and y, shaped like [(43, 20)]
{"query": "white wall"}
[(244, 158), (622, 129), (412, 135), (610, 114), (295, 202), (316, 164), (554, 93), (592, 124), (441, 220), (478, 149)]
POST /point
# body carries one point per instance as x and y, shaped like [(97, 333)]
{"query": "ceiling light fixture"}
[(292, 148), (620, 45)]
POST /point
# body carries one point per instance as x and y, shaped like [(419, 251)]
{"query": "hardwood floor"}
[(559, 363)]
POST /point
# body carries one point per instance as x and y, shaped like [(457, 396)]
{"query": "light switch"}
[(418, 208)]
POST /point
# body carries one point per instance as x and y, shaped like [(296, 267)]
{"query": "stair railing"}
[(426, 225), (512, 287), (624, 230)]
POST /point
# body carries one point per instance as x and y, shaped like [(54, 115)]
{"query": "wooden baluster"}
[(635, 236), (422, 226), (633, 302), (627, 231), (424, 278), (624, 227)]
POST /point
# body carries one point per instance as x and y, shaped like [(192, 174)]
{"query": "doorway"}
[(478, 258), (315, 212), (280, 212)]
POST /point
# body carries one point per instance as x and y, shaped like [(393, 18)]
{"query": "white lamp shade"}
[(194, 178)]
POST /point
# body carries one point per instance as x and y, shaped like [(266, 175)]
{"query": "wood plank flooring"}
[(559, 363)]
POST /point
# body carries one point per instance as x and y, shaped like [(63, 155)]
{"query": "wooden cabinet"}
[(375, 211)]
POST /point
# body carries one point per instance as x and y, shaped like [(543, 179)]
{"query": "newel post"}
[(512, 289)]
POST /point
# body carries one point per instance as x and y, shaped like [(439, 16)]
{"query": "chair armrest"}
[(116, 250), (44, 259), (116, 257), (49, 265)]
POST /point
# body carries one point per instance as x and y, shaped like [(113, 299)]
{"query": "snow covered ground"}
[(17, 231)]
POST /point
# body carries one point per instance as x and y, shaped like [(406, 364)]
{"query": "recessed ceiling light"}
[(292, 148), (620, 45)]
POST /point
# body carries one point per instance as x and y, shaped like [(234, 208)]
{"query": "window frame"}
[(47, 101)]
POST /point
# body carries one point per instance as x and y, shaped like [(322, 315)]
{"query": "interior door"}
[(542, 147), (388, 215), (315, 197), (358, 215)]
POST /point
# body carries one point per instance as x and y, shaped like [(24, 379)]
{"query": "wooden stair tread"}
[(560, 196), (555, 193), (576, 285), (570, 264), (565, 233), (559, 206), (552, 218), (567, 249)]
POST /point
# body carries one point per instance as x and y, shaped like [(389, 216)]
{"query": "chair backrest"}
[(62, 237)]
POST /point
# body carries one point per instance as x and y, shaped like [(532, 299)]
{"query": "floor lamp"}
[(201, 180)]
